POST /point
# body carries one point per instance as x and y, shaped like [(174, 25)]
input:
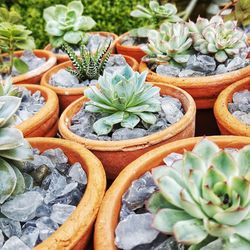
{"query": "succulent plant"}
[(13, 36), (158, 13), (123, 98), (14, 149), (66, 23), (203, 199), (7, 88), (90, 65), (222, 39), (171, 44)]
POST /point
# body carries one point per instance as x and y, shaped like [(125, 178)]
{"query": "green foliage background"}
[(110, 15)]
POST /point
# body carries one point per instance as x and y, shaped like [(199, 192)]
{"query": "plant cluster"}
[(13, 36), (122, 98), (174, 43), (157, 14), (66, 23), (203, 199), (90, 65), (14, 149)]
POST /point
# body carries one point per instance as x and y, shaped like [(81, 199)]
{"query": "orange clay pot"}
[(68, 95), (34, 76), (44, 122), (204, 89), (228, 124), (115, 155), (63, 57), (133, 51), (76, 231), (108, 216)]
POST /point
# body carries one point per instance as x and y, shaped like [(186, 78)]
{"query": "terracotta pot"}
[(63, 57), (68, 95), (75, 232), (44, 122), (133, 51), (204, 89), (228, 124), (108, 215), (115, 155), (34, 76)]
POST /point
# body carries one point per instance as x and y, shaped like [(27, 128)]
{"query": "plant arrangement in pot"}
[(125, 117), (191, 194), (37, 115), (67, 24), (202, 58), (69, 79), (41, 189), (24, 65), (231, 109), (131, 42)]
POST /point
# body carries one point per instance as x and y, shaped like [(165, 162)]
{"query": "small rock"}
[(1, 239), (46, 227), (96, 41), (221, 69), (22, 207), (190, 73), (10, 227), (63, 79), (142, 233), (173, 100), (236, 63), (14, 243), (201, 63), (126, 133), (30, 236), (171, 158), (60, 212), (168, 70), (139, 191), (77, 173), (172, 113), (242, 97), (43, 210)]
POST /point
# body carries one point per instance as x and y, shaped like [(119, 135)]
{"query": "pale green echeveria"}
[(122, 98), (221, 39), (66, 23), (14, 150), (172, 44), (203, 199), (166, 12)]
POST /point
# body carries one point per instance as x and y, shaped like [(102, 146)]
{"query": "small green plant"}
[(122, 98), (157, 14), (90, 65), (9, 16), (172, 44), (221, 39), (12, 37), (66, 23), (14, 149), (203, 199)]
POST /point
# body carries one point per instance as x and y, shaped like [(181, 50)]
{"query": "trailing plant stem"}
[(189, 9)]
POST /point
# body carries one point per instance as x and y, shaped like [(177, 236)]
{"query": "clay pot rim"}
[(50, 62), (195, 82), (48, 47), (35, 121), (72, 91), (109, 211), (232, 124), (89, 202), (131, 144), (119, 44)]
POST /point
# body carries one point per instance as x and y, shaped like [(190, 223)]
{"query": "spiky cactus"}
[(171, 44), (90, 65), (203, 199), (222, 39), (14, 149), (123, 98)]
